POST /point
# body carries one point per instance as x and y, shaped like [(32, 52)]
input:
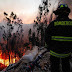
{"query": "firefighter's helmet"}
[(62, 8)]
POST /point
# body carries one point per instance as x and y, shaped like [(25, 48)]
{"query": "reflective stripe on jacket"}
[(59, 55), (58, 36), (61, 38)]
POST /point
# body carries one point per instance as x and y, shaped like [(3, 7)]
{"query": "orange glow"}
[(2, 61), (24, 50), (14, 60), (23, 53), (6, 61), (4, 58), (0, 53)]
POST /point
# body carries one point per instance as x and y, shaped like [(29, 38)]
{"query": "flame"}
[(2, 61), (14, 60), (0, 53), (6, 61)]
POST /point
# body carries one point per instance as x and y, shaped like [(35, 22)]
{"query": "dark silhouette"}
[(58, 37)]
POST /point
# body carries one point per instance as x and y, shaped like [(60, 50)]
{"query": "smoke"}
[(69, 3), (54, 6), (25, 28)]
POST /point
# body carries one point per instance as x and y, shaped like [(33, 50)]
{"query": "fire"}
[(2, 61), (6, 61), (0, 53), (14, 60)]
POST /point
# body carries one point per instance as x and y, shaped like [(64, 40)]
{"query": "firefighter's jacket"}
[(58, 37)]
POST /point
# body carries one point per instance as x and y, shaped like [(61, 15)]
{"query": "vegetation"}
[(41, 22), (12, 41)]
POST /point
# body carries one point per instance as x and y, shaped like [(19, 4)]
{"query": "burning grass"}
[(14, 57)]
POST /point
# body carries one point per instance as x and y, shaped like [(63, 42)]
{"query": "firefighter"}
[(58, 37)]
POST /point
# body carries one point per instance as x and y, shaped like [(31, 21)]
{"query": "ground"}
[(44, 62)]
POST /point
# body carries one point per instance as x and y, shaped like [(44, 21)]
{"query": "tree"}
[(9, 37), (41, 21)]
